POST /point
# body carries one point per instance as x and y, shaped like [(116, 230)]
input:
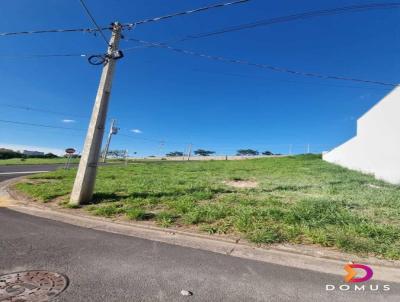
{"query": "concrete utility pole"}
[(82, 191), (162, 143), (113, 130), (126, 157), (189, 151)]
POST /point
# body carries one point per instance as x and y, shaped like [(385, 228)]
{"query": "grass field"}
[(299, 199), (35, 161)]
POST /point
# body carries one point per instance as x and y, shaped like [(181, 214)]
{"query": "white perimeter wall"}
[(376, 147)]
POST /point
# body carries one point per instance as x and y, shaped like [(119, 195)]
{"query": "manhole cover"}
[(32, 286)]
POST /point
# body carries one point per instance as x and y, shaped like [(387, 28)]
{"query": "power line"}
[(45, 31), (91, 17), (159, 141), (44, 55), (286, 81), (47, 130), (294, 17), (39, 125), (182, 13), (141, 138), (73, 129), (354, 8), (28, 108), (258, 65), (125, 25)]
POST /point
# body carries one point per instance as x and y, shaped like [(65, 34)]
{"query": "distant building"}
[(32, 153), (376, 147)]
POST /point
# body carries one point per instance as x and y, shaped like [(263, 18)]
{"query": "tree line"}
[(7, 154), (202, 152)]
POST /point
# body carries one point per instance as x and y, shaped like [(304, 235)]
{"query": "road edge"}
[(281, 255)]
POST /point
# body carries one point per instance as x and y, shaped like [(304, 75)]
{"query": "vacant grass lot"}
[(299, 199), (35, 161)]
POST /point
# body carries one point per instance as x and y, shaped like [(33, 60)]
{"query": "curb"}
[(301, 257)]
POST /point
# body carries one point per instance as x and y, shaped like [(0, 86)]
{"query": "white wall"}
[(376, 147)]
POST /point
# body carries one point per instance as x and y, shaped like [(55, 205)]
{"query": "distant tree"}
[(50, 155), (250, 152), (174, 154), (116, 153), (203, 152), (267, 153), (7, 153)]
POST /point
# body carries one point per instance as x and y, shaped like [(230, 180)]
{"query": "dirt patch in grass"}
[(242, 184)]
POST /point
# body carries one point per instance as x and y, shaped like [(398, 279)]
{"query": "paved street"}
[(11, 171), (109, 267)]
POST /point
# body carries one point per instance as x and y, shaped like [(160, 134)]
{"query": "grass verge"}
[(298, 199)]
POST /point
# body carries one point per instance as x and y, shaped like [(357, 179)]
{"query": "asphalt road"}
[(110, 267), (11, 171)]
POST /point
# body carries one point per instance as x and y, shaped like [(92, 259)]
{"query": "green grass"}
[(299, 199), (35, 161)]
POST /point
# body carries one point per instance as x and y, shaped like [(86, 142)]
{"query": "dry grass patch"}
[(242, 184)]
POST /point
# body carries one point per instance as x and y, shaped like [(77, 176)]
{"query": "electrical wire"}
[(159, 141), (182, 13), (39, 125), (258, 65), (142, 138), (28, 108), (45, 31), (265, 22), (247, 76), (125, 25), (294, 17), (74, 129), (91, 17), (43, 55)]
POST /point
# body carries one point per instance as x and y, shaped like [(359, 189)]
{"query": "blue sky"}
[(184, 99)]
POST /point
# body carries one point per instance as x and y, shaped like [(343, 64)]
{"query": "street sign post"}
[(70, 152)]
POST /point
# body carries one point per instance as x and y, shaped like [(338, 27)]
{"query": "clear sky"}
[(182, 99)]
